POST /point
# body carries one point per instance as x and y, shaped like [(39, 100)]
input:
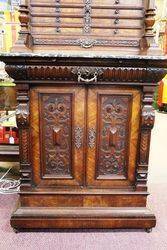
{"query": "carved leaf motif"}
[(57, 112), (114, 116), (22, 115)]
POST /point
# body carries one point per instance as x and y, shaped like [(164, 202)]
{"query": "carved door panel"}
[(57, 129), (113, 126)]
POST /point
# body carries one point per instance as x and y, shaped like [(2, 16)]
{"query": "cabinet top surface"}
[(76, 54)]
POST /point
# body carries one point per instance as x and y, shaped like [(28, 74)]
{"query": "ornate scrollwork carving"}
[(22, 115), (78, 137), (87, 43), (56, 112), (113, 134)]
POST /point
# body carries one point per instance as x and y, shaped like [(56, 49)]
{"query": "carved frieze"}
[(87, 42), (70, 73)]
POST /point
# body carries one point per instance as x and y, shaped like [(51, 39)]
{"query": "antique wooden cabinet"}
[(85, 72)]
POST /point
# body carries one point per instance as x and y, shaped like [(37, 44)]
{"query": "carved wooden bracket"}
[(148, 116), (22, 115), (147, 123)]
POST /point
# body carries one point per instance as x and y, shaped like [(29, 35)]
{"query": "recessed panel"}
[(56, 129)]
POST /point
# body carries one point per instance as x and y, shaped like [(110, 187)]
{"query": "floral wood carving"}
[(114, 117), (56, 110)]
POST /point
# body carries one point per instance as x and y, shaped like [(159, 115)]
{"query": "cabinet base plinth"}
[(82, 218)]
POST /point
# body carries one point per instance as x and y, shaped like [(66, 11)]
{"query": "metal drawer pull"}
[(93, 79)]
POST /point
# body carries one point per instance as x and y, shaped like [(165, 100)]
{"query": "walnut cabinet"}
[(87, 137), (85, 73)]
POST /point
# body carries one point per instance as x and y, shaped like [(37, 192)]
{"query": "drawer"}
[(96, 13), (118, 12), (116, 23), (112, 23), (94, 31), (137, 3), (52, 11)]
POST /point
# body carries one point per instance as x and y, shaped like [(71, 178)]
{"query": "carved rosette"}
[(22, 118), (147, 123)]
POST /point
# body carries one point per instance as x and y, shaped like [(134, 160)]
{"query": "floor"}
[(88, 240)]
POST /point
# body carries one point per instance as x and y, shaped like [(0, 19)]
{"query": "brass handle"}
[(93, 79), (56, 136), (112, 137)]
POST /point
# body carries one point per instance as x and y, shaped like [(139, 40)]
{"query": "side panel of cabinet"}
[(113, 128), (57, 130)]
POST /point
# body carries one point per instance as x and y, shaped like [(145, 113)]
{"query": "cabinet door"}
[(57, 130), (113, 127)]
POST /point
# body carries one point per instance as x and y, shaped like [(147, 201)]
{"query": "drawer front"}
[(136, 3), (113, 126), (70, 21), (58, 132)]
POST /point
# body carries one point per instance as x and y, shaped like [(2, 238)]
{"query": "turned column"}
[(148, 44), (23, 43)]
